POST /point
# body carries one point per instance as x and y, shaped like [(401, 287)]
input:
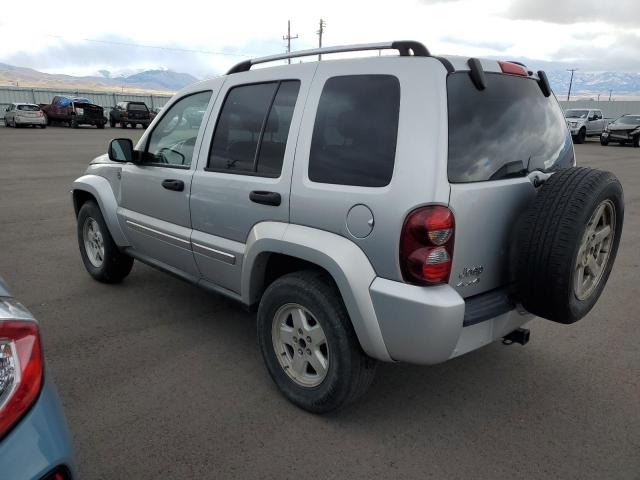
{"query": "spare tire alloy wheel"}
[(300, 345), (595, 249), (567, 243)]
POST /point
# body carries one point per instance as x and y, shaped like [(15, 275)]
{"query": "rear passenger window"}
[(253, 127), (355, 133)]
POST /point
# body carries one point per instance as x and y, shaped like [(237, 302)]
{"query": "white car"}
[(19, 114)]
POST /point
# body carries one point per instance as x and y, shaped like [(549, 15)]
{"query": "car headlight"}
[(574, 124)]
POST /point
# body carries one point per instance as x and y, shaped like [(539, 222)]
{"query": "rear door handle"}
[(266, 198), (177, 185)]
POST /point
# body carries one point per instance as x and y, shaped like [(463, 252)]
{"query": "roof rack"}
[(405, 47)]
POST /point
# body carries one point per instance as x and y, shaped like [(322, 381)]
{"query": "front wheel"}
[(604, 141), (112, 123), (581, 136), (100, 254), (308, 343)]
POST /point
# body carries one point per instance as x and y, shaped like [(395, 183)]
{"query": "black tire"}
[(350, 371), (112, 123), (604, 141), (123, 124), (43, 126), (100, 126), (48, 120), (581, 136), (116, 265), (550, 236), (636, 141)]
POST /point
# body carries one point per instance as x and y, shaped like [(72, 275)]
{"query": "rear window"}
[(141, 107), (29, 108), (507, 130)]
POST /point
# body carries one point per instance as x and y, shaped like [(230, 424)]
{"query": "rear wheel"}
[(568, 242), (123, 124), (100, 254), (43, 126), (100, 126), (308, 343), (112, 123), (636, 141)]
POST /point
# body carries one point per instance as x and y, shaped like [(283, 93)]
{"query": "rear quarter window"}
[(355, 131)]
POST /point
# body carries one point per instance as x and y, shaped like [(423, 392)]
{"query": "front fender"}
[(343, 259), (100, 189)]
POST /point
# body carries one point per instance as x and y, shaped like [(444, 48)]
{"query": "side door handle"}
[(266, 198), (177, 185)]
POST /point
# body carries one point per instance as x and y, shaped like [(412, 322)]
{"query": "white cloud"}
[(509, 28)]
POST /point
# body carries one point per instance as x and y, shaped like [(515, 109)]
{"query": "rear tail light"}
[(426, 245), (40, 113), (21, 369), (125, 113)]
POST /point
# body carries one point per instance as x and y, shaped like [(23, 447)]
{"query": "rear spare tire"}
[(567, 243)]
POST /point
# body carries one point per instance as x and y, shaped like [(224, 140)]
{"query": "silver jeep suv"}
[(392, 208)]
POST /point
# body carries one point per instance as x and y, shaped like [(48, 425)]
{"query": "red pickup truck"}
[(74, 111)]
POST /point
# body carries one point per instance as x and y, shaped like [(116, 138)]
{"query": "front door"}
[(244, 170), (154, 207)]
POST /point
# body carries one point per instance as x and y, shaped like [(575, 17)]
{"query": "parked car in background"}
[(584, 122), (24, 114), (363, 223), (130, 113), (623, 130), (154, 112), (74, 111), (34, 440)]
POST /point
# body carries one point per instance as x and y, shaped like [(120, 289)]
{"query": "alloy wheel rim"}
[(93, 242), (300, 345), (595, 250)]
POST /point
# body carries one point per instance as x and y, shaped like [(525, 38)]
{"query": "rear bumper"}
[(39, 442), (84, 120), (428, 325), (30, 120)]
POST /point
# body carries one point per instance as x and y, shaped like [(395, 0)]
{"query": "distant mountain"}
[(161, 78), (593, 83), (155, 80)]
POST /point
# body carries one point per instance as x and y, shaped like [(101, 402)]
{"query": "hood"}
[(102, 159), (620, 127)]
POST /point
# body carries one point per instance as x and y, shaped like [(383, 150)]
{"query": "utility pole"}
[(598, 97), (320, 31), (288, 38), (610, 91), (570, 81)]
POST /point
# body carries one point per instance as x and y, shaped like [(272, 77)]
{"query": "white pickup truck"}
[(583, 123)]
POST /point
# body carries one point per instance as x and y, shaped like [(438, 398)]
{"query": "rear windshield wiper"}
[(510, 170)]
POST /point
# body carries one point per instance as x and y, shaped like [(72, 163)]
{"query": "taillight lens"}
[(426, 245), (20, 370)]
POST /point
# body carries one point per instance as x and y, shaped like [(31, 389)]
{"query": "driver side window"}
[(173, 139)]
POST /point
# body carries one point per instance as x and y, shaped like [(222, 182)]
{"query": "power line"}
[(570, 81), (158, 47), (320, 31), (288, 38)]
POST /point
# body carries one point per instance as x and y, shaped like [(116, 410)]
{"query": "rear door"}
[(496, 137), (154, 206), (244, 171)]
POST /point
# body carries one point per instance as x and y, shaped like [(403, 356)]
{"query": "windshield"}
[(629, 120), (506, 130), (140, 107), (576, 113), (29, 108), (80, 100)]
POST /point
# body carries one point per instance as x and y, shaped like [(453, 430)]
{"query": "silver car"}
[(24, 114), (392, 208)]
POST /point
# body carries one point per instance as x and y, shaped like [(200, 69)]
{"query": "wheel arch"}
[(94, 187), (275, 248)]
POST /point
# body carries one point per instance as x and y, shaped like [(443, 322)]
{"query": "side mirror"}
[(121, 150)]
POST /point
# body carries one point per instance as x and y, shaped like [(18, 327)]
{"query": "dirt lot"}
[(160, 379)]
